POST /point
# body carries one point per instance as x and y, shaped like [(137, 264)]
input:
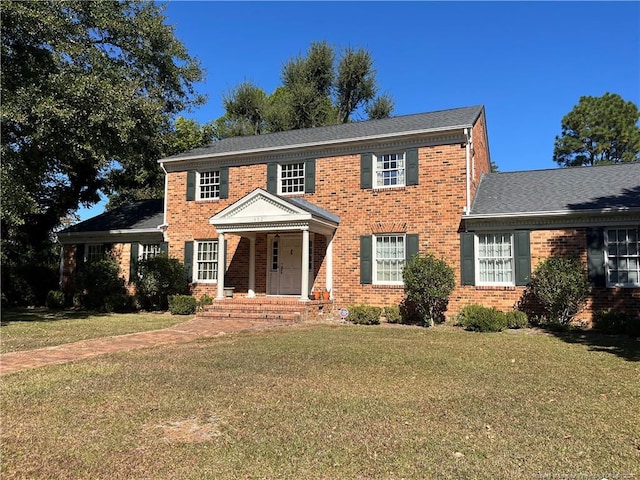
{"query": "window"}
[(622, 256), (206, 261), (94, 252), (208, 185), (149, 250), (389, 259), (495, 259), (292, 178), (389, 170)]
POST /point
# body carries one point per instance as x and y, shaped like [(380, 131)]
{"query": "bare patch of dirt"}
[(190, 430)]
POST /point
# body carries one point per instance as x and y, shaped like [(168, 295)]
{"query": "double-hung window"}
[(389, 259), (495, 259), (622, 256), (93, 252), (390, 170), (206, 261), (292, 178), (149, 250), (209, 185)]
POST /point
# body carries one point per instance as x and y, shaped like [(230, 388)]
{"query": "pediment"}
[(258, 204)]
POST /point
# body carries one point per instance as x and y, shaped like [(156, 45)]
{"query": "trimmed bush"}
[(364, 314), (615, 322), (96, 282), (182, 304), (203, 302), (559, 285), (157, 278), (428, 283), (516, 319), (482, 319), (55, 300), (392, 314)]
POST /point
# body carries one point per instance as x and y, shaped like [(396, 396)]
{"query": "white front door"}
[(286, 265)]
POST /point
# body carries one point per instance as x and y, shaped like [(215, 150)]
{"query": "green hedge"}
[(182, 304), (364, 314), (482, 319)]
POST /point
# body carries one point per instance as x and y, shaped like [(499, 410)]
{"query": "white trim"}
[(199, 197), (476, 260), (374, 169), (403, 259), (196, 264), (303, 177), (606, 258)]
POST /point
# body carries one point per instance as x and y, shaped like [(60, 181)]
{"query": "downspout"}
[(467, 207), (164, 225)]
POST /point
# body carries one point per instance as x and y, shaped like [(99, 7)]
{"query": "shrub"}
[(55, 300), (516, 319), (203, 302), (157, 278), (120, 303), (392, 314), (96, 281), (182, 304), (615, 322), (482, 319), (428, 283), (365, 314), (560, 286)]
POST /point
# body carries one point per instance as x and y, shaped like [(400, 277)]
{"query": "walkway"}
[(70, 352)]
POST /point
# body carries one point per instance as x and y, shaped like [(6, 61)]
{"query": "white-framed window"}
[(389, 258), (93, 252), (149, 250), (389, 170), (495, 259), (291, 176), (206, 261), (208, 185), (622, 256)]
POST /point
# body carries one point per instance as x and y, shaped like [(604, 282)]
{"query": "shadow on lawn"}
[(42, 315), (623, 346)]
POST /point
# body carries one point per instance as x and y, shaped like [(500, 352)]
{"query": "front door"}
[(286, 265)]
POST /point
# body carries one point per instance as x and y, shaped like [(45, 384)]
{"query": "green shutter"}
[(272, 178), (164, 248), (224, 182), (522, 254), (595, 256), (310, 176), (188, 260), (412, 166), (79, 257), (366, 170), (191, 185), (366, 267), (467, 261), (133, 262), (412, 247)]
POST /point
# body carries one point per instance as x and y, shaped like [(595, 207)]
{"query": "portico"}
[(288, 223)]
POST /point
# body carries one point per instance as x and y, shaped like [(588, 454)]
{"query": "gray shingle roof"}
[(615, 187), (313, 209), (141, 215), (432, 121)]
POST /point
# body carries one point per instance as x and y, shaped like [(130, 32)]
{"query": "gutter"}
[(467, 207), (164, 225), (551, 213)]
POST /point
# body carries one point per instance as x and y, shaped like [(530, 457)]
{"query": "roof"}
[(417, 123), (312, 209), (576, 189), (140, 215)]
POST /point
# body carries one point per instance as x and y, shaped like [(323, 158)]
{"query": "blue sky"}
[(528, 63)]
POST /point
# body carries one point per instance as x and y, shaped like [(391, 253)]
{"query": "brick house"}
[(340, 208)]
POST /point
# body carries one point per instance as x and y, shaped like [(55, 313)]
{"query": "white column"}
[(329, 270), (222, 248), (252, 267), (305, 266)]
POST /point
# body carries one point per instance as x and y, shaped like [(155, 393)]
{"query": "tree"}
[(86, 86), (599, 130), (315, 91)]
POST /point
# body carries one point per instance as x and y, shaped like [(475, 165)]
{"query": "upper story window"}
[(209, 185), (495, 259), (149, 250), (390, 170), (93, 252), (389, 259), (291, 178), (622, 256)]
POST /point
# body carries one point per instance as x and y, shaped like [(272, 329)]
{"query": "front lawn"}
[(26, 329), (331, 402)]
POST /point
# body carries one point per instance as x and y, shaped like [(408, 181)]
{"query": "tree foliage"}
[(317, 89), (599, 130), (86, 86)]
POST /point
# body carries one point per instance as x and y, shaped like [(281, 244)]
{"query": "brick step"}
[(291, 317)]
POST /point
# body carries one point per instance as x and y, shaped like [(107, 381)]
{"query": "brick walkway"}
[(70, 352)]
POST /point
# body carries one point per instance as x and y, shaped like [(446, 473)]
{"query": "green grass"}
[(26, 329), (331, 402)]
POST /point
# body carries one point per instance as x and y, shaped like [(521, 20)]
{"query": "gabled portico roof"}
[(262, 211)]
